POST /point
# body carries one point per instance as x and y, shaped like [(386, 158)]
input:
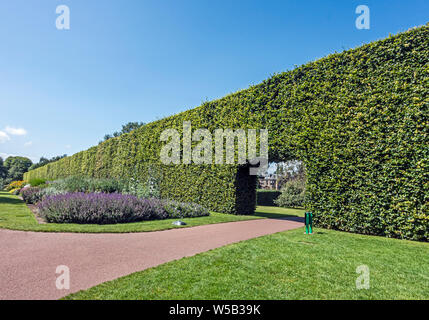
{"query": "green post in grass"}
[(308, 223)]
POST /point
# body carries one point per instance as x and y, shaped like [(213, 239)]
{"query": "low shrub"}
[(37, 182), (292, 194), (87, 184), (103, 208), (32, 195), (51, 190), (177, 209), (131, 186), (266, 197), (136, 188)]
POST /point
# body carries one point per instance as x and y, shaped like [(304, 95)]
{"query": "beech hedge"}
[(357, 119)]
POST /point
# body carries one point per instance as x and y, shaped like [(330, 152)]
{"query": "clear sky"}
[(136, 60)]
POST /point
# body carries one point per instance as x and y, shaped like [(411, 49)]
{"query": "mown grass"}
[(15, 215), (286, 265)]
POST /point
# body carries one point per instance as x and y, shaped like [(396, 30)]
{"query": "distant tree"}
[(41, 162), (130, 126), (280, 170), (3, 169), (44, 161), (16, 167), (126, 128), (293, 181), (3, 173), (57, 158), (292, 170)]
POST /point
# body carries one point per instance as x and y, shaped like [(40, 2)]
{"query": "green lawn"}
[(14, 214), (286, 265)]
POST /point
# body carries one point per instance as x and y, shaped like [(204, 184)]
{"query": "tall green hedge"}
[(358, 119), (266, 197)]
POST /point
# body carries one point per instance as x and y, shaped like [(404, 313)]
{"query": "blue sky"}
[(134, 60)]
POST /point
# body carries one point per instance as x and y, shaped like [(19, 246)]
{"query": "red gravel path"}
[(28, 260)]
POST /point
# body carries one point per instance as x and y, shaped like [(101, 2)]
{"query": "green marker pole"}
[(308, 223)]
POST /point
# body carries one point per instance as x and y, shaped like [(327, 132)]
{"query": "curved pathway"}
[(28, 260)]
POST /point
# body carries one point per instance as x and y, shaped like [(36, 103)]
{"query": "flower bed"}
[(102, 208), (15, 185)]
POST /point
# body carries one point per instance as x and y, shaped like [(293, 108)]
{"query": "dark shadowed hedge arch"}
[(358, 119)]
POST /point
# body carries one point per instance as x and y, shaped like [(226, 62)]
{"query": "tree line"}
[(13, 168)]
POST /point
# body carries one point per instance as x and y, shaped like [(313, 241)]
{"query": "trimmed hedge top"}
[(357, 119)]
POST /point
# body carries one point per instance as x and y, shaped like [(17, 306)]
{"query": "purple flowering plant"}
[(110, 208), (32, 195)]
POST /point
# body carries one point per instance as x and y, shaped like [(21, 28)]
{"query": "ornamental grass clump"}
[(102, 208)]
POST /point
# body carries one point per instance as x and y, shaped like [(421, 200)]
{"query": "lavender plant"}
[(102, 208), (32, 195)]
